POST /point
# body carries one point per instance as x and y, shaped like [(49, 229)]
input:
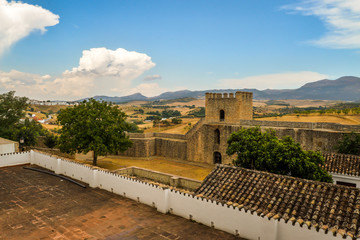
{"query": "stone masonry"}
[(225, 114)]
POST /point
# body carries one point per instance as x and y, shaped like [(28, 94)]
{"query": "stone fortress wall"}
[(207, 140), (234, 107)]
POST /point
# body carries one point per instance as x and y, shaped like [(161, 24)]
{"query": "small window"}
[(217, 136), (346, 184), (217, 158), (222, 115)]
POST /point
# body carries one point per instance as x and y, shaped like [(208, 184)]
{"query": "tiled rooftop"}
[(342, 164), (34, 205), (312, 204)]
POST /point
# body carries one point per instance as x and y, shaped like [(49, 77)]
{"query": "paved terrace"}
[(34, 205)]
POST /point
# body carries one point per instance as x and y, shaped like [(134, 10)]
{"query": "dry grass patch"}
[(180, 168), (340, 119), (182, 128)]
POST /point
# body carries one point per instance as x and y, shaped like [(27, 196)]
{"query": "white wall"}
[(210, 213), (15, 158), (7, 148), (345, 178)]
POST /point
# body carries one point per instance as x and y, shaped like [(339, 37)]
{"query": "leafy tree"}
[(133, 128), (156, 113), (12, 109), (176, 120), (264, 151), (140, 110), (198, 113), (50, 140), (153, 118), (165, 122), (156, 121), (29, 130), (93, 126), (350, 144), (170, 113)]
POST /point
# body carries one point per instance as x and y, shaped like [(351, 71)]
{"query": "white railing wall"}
[(220, 216), (346, 178), (16, 158)]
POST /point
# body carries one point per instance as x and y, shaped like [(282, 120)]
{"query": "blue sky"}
[(63, 49)]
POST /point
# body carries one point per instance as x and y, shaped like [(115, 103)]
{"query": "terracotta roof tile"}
[(342, 164), (324, 206)]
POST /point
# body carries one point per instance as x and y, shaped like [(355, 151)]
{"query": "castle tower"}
[(228, 108)]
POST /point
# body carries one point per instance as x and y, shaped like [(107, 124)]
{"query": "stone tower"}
[(228, 108)]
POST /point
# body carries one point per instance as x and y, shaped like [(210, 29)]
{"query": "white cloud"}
[(18, 20), (152, 77), (342, 18), (273, 81), (148, 89), (100, 70)]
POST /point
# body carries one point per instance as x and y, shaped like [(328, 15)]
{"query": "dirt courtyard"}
[(34, 205)]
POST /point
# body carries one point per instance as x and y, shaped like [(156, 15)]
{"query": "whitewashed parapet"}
[(238, 221), (243, 222), (13, 159)]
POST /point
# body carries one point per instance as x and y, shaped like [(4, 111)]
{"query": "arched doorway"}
[(222, 115), (217, 136), (217, 158)]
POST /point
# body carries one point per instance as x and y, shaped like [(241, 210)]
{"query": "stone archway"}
[(217, 158)]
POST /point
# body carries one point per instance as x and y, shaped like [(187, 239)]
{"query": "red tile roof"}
[(320, 205), (342, 164)]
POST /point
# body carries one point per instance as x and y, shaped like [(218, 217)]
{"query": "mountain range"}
[(344, 88)]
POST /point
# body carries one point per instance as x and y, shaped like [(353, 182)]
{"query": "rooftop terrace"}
[(38, 206)]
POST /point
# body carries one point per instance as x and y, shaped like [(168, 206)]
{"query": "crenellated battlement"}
[(219, 95), (228, 107), (237, 95)]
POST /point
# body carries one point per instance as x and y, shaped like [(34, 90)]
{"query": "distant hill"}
[(345, 89), (129, 98)]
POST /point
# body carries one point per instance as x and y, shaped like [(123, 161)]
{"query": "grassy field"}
[(157, 164), (340, 119), (263, 107), (182, 128)]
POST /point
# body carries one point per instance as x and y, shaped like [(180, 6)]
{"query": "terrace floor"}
[(34, 205)]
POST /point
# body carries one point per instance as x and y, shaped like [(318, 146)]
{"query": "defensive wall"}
[(200, 144), (157, 144), (306, 125), (232, 106), (226, 217), (160, 177), (203, 144), (225, 114)]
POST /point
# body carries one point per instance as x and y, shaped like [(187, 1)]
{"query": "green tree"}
[(29, 130), (170, 113), (133, 128), (93, 126), (12, 109), (176, 120), (264, 151), (350, 144), (50, 140)]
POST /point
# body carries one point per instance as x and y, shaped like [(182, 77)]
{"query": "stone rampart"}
[(307, 125), (228, 108), (168, 179), (157, 144), (171, 148)]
